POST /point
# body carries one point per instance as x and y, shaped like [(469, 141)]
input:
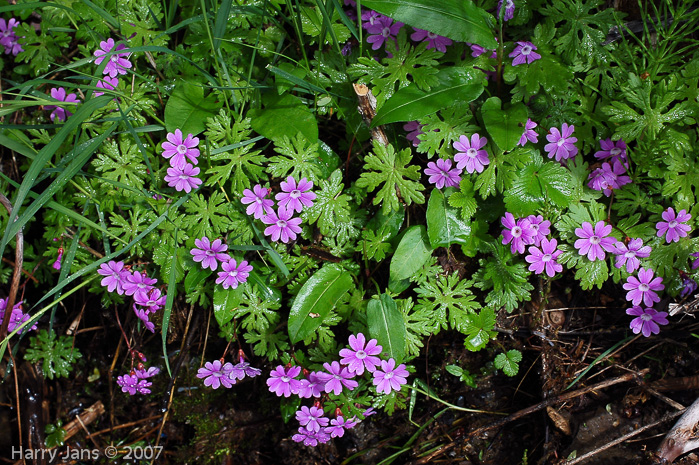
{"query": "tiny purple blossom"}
[(477, 50), (594, 242), (154, 300), (524, 53), (128, 383), (384, 28), (115, 276), (361, 355), (562, 144), (608, 177), (8, 38), (233, 274), (178, 150), (433, 40), (295, 197), (470, 155), (183, 179), (672, 227), (313, 386), (509, 9), (312, 418), (615, 150), (61, 113), (282, 225), (518, 232), (442, 174), (143, 315), (647, 320), (17, 317), (117, 64), (281, 381), (209, 253), (149, 373), (689, 286), (390, 377), (544, 259), (337, 426), (529, 133), (643, 288), (695, 263), (311, 438), (57, 264), (258, 205), (629, 255), (337, 377), (414, 129), (215, 374), (107, 83), (540, 227), (138, 284)]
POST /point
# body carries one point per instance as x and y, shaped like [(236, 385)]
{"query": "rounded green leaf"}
[(187, 109), (504, 126), (283, 116), (412, 252), (386, 325), (317, 297)]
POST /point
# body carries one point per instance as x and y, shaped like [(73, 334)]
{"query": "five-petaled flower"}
[(337, 377), (282, 225), (629, 255), (524, 53), (118, 63), (643, 288), (115, 276), (216, 373), (61, 113), (183, 179), (561, 143), (544, 259), (179, 150), (509, 9), (209, 253), (382, 29), (517, 232), (390, 377), (673, 228), (470, 155), (17, 316), (594, 242), (433, 40), (133, 384), (138, 284), (529, 133), (616, 150), (609, 177), (362, 354), (294, 197), (8, 38), (258, 205), (107, 83), (414, 129), (233, 274), (312, 418), (540, 228), (647, 320), (282, 381), (441, 174)]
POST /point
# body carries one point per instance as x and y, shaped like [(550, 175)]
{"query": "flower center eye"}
[(546, 258), (360, 354), (210, 253), (258, 200), (295, 194), (432, 35), (510, 4), (516, 231), (643, 287), (595, 240), (630, 254), (233, 273), (535, 228), (526, 50), (561, 141), (388, 376), (181, 149), (672, 224), (184, 177), (285, 379), (281, 223), (615, 151), (472, 153), (646, 317), (114, 58), (386, 32)]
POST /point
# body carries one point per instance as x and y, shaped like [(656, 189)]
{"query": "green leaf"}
[(465, 199), (331, 207), (538, 184), (412, 253), (459, 20), (508, 362), (480, 329), (316, 298), (196, 278), (283, 116), (225, 302), (297, 158), (386, 325), (444, 223), (456, 85), (508, 280), (57, 354), (187, 109), (504, 126)]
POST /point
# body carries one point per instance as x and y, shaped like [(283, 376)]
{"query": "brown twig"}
[(367, 108), (19, 260), (682, 437)]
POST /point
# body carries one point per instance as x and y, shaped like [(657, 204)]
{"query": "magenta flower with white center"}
[(594, 242), (524, 53), (312, 418), (138, 283), (362, 354), (470, 155), (544, 258), (233, 274), (540, 227), (179, 150), (314, 386), (688, 287), (61, 113), (257, 204), (336, 378), (414, 129), (608, 177), (115, 276), (281, 381), (647, 320), (383, 29), (643, 288), (477, 50), (183, 179), (144, 316), (145, 374), (17, 317), (441, 174), (529, 133), (8, 38), (133, 384), (311, 438), (616, 150), (629, 255), (433, 40), (214, 374), (282, 225), (294, 197), (153, 302), (562, 143), (518, 232), (337, 426), (117, 63), (673, 228), (390, 377), (509, 9), (107, 83), (209, 253)]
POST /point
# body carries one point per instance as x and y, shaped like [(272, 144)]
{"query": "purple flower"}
[(470, 154), (178, 149), (643, 288), (282, 382), (442, 175), (338, 425), (8, 38), (647, 320), (57, 264), (414, 129), (107, 83), (311, 438), (117, 64), (561, 143), (336, 378), (361, 355), (608, 177), (215, 374), (389, 376), (544, 258), (347, 48), (433, 40), (593, 243), (143, 315), (60, 113), (183, 178), (282, 225), (132, 384), (695, 263), (689, 286), (152, 302), (539, 227), (294, 197), (529, 133), (615, 150), (209, 253), (257, 204), (630, 255), (17, 317), (672, 226), (233, 274), (115, 276), (382, 29), (314, 386), (477, 50), (137, 284), (524, 53), (243, 369), (312, 418), (509, 9), (519, 232), (145, 374)]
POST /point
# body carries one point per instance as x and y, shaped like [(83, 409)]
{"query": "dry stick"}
[(682, 437), (124, 425), (19, 259), (367, 108), (28, 274)]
